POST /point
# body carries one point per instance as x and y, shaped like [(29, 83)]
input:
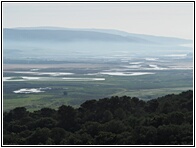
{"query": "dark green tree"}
[(39, 137), (58, 134), (67, 116)]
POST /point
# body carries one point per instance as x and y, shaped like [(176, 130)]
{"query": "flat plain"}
[(35, 86)]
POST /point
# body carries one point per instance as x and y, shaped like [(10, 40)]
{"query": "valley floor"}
[(50, 85)]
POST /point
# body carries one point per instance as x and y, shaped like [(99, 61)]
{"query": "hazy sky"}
[(163, 19)]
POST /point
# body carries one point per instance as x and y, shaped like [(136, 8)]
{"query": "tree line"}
[(117, 120)]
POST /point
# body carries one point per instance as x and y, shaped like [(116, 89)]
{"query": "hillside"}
[(53, 43), (110, 121), (67, 35), (60, 35)]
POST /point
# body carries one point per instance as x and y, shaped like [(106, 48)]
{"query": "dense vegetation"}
[(110, 121)]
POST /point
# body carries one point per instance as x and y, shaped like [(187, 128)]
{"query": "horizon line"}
[(93, 29)]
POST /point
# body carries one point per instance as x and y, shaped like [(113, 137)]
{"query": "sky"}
[(172, 19)]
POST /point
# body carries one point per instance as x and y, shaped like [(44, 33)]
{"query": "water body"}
[(45, 73), (135, 63), (151, 59), (30, 90), (84, 79), (50, 79), (20, 78), (126, 74)]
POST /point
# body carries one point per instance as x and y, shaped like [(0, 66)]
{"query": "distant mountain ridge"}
[(62, 35), (67, 43), (69, 34)]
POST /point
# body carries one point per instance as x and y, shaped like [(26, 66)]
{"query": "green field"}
[(76, 92)]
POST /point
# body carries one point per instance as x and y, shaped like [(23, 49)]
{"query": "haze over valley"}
[(44, 43), (98, 73), (75, 65)]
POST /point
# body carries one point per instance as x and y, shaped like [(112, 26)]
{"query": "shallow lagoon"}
[(126, 73), (31, 90), (25, 78), (84, 79), (50, 79), (45, 73)]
